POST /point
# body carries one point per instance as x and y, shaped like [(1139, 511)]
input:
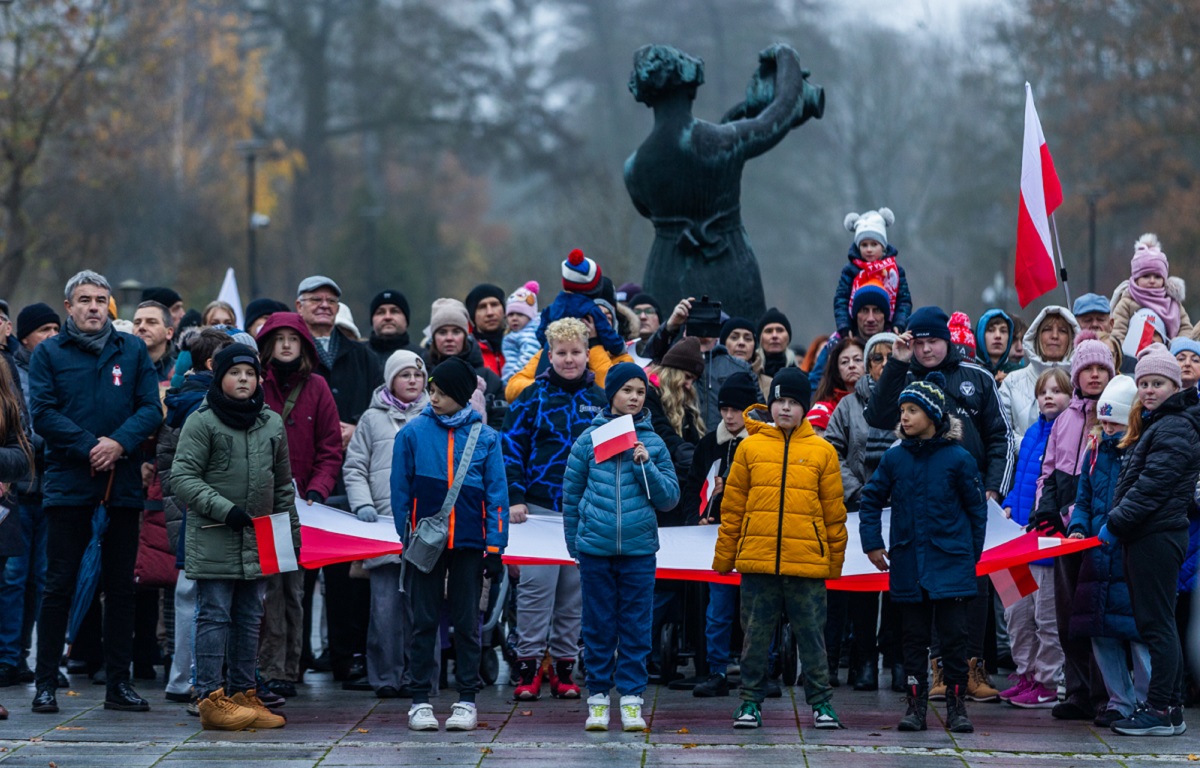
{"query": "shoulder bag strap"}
[(460, 472), (290, 403)]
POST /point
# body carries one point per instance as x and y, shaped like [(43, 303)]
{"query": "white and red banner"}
[(614, 437), (332, 536), (1041, 194), (273, 534), (708, 490)]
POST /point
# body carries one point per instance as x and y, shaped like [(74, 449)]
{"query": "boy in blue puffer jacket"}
[(611, 528), (427, 453), (1032, 627), (1102, 609)]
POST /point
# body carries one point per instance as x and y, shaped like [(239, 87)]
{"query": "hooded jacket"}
[(426, 456), (1158, 479), (1101, 607), (782, 512), (971, 396), (1003, 365), (610, 508), (493, 388), (860, 447), (313, 433), (1017, 390), (368, 468), (939, 516)]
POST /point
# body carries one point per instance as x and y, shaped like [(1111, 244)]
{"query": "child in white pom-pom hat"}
[(872, 261)]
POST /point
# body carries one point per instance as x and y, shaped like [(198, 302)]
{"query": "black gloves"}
[(314, 497), (237, 519), (493, 567), (1048, 521)]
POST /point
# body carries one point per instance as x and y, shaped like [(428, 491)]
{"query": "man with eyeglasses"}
[(649, 319)]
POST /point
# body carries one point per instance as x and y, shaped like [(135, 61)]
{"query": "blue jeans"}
[(618, 608), (228, 617), (22, 581), (1124, 692), (718, 627)]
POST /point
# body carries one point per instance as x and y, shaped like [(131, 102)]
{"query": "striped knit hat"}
[(929, 395), (579, 273)]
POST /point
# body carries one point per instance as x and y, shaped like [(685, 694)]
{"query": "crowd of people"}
[(182, 431)]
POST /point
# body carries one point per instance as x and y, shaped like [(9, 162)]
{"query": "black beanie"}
[(477, 294), (645, 298), (456, 378), (791, 382), (736, 323), (929, 323), (33, 317), (233, 355), (739, 391), (260, 307), (168, 297), (772, 315), (394, 297)]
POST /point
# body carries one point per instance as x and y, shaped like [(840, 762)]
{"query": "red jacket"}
[(313, 431)]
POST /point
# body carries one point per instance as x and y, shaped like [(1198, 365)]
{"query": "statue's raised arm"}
[(686, 175)]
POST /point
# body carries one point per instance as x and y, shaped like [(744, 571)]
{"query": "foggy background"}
[(429, 146)]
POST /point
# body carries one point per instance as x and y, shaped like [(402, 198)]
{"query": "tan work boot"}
[(218, 712), (265, 717), (937, 690), (979, 685)]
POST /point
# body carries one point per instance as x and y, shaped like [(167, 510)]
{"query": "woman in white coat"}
[(1049, 343)]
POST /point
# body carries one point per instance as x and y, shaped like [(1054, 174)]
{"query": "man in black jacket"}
[(390, 319)]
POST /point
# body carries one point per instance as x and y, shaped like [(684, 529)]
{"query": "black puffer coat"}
[(1158, 479)]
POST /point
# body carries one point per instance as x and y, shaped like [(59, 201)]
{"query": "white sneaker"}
[(462, 717), (631, 713), (597, 719), (420, 718)]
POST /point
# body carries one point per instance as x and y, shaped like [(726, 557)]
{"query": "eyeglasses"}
[(877, 357), (646, 312), (319, 300)]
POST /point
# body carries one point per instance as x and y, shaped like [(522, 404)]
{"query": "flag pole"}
[(1062, 267)]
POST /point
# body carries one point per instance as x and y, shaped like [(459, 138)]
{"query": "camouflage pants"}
[(766, 602)]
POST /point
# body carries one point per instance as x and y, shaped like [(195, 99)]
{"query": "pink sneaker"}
[(1023, 684), (1037, 697)]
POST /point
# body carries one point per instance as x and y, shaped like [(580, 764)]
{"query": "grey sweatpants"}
[(389, 631), (549, 608)]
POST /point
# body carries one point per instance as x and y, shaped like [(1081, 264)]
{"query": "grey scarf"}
[(92, 342)]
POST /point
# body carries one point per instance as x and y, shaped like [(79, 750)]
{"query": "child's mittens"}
[(1106, 536), (367, 513), (237, 519)]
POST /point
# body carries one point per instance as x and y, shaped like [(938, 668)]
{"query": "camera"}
[(704, 319)]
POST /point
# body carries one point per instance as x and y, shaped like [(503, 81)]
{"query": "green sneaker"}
[(748, 716), (825, 717)]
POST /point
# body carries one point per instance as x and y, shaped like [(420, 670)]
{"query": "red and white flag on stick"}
[(710, 485), (1013, 583), (614, 437), (1041, 194), (275, 551)]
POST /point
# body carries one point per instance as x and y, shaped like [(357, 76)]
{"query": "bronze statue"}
[(686, 176)]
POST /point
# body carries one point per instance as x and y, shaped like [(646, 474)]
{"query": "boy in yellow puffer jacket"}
[(783, 526)]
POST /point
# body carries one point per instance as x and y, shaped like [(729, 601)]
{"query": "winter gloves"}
[(493, 567), (314, 497), (237, 519), (367, 513), (1107, 536)]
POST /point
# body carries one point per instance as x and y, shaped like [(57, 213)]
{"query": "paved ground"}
[(329, 727)]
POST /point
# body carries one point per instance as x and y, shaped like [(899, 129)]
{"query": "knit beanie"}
[(645, 298), (523, 301), (1089, 350), (791, 382), (685, 355), (1142, 326), (626, 290), (772, 315), (961, 335), (1180, 344), (928, 394), (165, 296), (929, 323), (456, 378), (260, 307), (736, 324), (1116, 400), (481, 292), (33, 317), (1148, 258), (739, 391), (391, 297), (621, 373), (398, 361), (1157, 360), (448, 312), (879, 338), (871, 294), (579, 273), (233, 355), (870, 225)]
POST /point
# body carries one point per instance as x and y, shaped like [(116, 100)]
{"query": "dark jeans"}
[(228, 618), (461, 593), (950, 617), (348, 613), (618, 606), (70, 529), (766, 601), (22, 580), (1152, 572)]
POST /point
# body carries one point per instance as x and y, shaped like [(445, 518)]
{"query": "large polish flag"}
[(614, 437), (1041, 194)]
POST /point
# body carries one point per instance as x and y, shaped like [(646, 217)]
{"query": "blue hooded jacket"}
[(981, 356)]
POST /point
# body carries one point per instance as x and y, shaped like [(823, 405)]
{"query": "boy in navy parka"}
[(611, 529)]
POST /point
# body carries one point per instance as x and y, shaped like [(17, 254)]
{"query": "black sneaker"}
[(715, 685), (44, 701), (1177, 721), (1106, 718), (1147, 721), (1070, 710), (123, 698), (285, 688), (270, 697)]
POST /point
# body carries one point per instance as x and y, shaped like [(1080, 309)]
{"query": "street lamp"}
[(251, 149), (1092, 196), (131, 293)]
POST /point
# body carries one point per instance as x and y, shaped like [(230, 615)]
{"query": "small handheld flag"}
[(707, 491), (275, 551), (614, 437)]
